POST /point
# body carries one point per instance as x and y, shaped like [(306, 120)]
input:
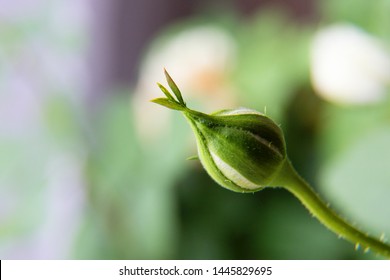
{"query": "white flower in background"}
[(199, 59), (349, 66)]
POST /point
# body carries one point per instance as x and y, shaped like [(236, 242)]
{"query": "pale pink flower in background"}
[(199, 59)]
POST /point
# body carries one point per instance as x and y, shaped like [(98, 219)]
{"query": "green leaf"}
[(166, 92), (174, 88), (168, 103)]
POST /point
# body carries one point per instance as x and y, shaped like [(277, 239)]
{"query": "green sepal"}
[(166, 92), (169, 104), (174, 88)]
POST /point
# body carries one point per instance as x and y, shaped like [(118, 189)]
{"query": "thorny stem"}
[(290, 180)]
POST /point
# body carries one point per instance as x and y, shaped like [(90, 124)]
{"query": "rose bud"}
[(242, 149)]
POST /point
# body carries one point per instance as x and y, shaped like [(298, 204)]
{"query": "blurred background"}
[(90, 169)]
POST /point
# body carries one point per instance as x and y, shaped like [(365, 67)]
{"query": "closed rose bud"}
[(242, 149), (245, 151)]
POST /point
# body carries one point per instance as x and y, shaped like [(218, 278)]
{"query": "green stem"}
[(290, 180)]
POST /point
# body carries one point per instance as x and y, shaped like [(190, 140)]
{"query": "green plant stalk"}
[(289, 179)]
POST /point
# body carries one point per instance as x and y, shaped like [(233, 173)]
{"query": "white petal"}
[(231, 174), (349, 65), (239, 111)]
